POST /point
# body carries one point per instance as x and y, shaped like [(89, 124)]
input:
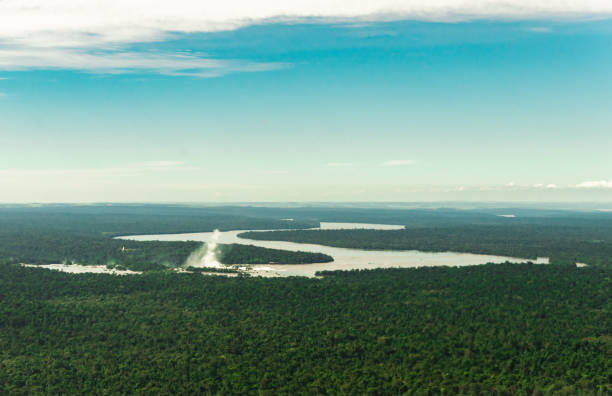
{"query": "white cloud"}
[(339, 164), (66, 33), (553, 186), (398, 163), (595, 184), (549, 186), (46, 21)]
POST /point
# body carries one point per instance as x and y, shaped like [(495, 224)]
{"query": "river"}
[(344, 259)]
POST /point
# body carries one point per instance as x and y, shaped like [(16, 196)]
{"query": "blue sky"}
[(314, 110)]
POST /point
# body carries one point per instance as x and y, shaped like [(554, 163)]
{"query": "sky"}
[(123, 101)]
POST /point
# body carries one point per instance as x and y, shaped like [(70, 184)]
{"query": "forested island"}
[(248, 254), (492, 329)]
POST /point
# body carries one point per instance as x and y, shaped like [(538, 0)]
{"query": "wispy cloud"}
[(547, 186), (540, 29), (596, 184), (339, 164), (273, 172), (161, 163), (398, 163), (159, 166), (553, 186), (118, 62), (205, 187), (135, 169)]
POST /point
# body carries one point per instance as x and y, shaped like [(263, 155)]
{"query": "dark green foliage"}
[(249, 254), (493, 329), (591, 244)]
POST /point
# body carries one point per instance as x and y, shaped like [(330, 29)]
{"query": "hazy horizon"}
[(599, 207)]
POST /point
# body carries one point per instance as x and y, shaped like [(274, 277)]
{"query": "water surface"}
[(344, 259)]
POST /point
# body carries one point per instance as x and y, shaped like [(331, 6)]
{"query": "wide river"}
[(344, 259)]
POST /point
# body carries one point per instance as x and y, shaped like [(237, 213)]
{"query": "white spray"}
[(210, 258), (206, 256)]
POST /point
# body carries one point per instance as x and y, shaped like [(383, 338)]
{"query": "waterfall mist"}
[(206, 255)]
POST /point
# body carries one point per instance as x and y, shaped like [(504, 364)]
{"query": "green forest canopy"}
[(491, 329)]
